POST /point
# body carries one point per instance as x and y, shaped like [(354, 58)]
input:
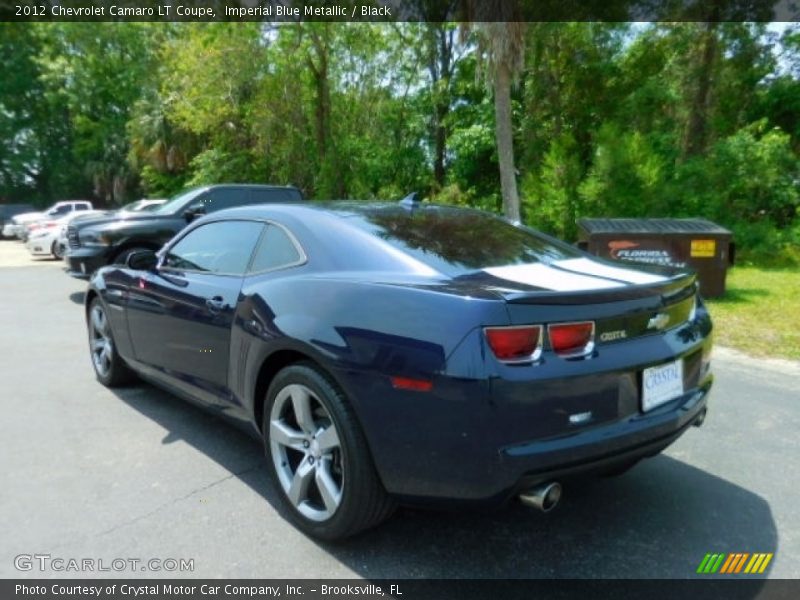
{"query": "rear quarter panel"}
[(358, 331)]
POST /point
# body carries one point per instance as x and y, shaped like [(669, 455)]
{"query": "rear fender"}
[(373, 331)]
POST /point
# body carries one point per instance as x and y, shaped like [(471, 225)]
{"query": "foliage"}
[(606, 119)]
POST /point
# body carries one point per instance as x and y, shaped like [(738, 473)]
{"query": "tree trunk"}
[(440, 143), (322, 107), (697, 126), (318, 62), (440, 75), (505, 141)]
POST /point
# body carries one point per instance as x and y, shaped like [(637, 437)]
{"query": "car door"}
[(180, 316)]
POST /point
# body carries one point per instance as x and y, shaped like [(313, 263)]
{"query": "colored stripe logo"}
[(734, 563)]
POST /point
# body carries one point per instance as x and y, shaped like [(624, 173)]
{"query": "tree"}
[(97, 71), (501, 43), (440, 42), (36, 137)]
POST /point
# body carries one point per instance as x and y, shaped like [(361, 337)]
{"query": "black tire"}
[(122, 257), (363, 501), (55, 250), (110, 369)]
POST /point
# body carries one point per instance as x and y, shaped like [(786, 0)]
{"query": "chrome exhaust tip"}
[(543, 497), (700, 418)]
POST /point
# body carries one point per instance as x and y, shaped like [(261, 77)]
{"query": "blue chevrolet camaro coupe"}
[(408, 353)]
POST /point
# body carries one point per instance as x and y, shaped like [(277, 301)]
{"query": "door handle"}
[(215, 304)]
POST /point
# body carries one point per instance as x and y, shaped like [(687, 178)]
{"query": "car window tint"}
[(226, 198), (276, 250), (258, 196), (223, 247), (456, 242), (60, 210)]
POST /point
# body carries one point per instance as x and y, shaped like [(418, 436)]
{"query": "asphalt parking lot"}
[(89, 472)]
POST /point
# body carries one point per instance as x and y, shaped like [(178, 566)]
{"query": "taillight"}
[(515, 344), (572, 339)]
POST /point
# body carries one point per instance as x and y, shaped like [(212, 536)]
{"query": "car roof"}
[(259, 186)]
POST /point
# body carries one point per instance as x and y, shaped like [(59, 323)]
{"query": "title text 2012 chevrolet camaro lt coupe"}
[(408, 353)]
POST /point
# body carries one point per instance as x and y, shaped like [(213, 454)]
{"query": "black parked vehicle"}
[(11, 210), (105, 240)]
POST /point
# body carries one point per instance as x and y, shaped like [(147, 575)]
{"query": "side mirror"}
[(142, 260), (190, 214)]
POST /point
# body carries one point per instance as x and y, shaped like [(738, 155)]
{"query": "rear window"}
[(455, 242)]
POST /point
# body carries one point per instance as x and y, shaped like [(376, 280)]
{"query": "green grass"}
[(760, 312)]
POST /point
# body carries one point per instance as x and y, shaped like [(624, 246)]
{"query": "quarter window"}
[(224, 247), (276, 250)]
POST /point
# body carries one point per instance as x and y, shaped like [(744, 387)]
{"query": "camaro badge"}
[(659, 321)]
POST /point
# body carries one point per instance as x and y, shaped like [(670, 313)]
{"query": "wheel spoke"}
[(106, 353), (329, 439), (98, 344), (328, 490), (97, 320), (281, 433), (301, 401), (298, 491)]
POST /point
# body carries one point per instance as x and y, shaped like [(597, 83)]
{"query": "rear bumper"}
[(598, 450), (82, 262), (40, 246), (481, 442)]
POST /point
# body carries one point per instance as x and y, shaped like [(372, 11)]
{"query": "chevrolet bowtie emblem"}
[(659, 321)]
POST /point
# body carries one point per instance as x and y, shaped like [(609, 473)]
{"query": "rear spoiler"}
[(674, 289)]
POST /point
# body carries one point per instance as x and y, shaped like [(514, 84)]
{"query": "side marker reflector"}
[(416, 385)]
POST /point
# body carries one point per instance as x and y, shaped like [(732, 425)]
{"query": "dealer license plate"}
[(661, 384)]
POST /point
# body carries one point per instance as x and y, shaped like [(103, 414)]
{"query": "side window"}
[(258, 196), (81, 207), (60, 210), (226, 198), (224, 247), (276, 250)]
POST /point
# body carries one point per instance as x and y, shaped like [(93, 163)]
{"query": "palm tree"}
[(501, 43)]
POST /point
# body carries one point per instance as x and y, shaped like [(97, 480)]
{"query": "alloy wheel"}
[(305, 448), (102, 347)]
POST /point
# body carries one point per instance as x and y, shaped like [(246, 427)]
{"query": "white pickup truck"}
[(16, 226)]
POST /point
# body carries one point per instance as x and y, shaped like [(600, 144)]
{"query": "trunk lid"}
[(624, 303)]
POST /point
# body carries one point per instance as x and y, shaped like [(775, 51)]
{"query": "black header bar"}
[(399, 10)]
